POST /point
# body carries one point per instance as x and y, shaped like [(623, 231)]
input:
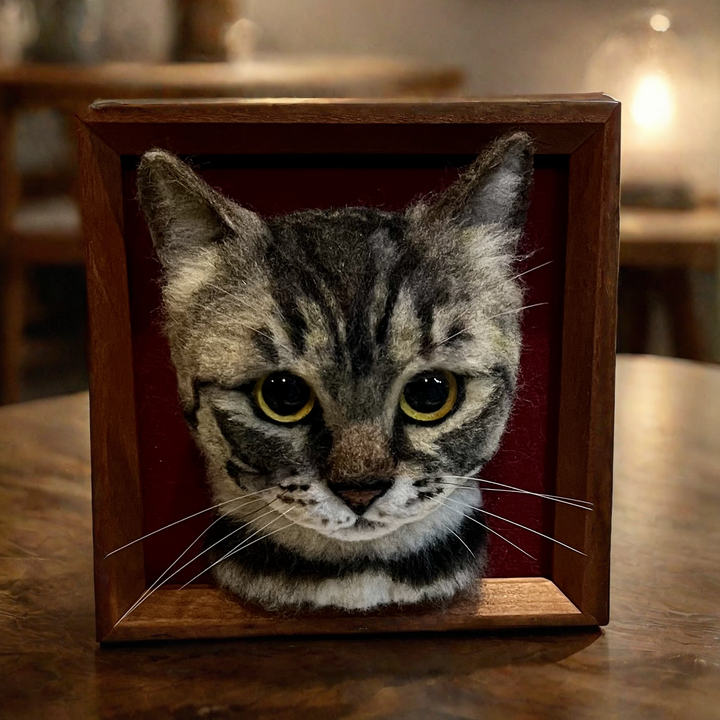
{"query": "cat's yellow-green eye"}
[(284, 397), (429, 396)]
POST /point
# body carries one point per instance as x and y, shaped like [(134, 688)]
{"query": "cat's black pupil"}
[(285, 394), (427, 392)]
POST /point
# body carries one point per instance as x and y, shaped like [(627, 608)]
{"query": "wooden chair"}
[(49, 232), (658, 249)]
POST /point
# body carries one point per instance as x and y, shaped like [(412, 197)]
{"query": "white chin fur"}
[(361, 591)]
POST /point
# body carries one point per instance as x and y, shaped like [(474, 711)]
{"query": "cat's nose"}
[(360, 495)]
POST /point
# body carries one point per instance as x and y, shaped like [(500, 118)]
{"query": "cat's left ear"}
[(187, 218), (494, 190)]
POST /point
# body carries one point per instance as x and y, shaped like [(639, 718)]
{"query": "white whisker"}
[(454, 335), (524, 527), (581, 504), (156, 585), (543, 497), (487, 527), (244, 544), (188, 517), (461, 540), (159, 580), (512, 487), (517, 310), (260, 332), (537, 267), (507, 312)]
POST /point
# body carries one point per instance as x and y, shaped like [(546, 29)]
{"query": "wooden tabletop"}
[(655, 238), (658, 658), (263, 76)]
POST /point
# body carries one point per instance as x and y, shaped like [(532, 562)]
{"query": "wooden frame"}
[(583, 128)]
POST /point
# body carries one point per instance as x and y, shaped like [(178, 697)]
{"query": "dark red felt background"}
[(171, 469)]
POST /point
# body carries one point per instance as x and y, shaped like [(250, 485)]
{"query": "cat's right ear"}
[(494, 190), (186, 217)]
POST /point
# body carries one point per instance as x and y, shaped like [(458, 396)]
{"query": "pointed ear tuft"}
[(185, 215), (182, 211), (495, 189)]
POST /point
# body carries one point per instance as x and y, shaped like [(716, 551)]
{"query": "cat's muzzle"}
[(360, 495)]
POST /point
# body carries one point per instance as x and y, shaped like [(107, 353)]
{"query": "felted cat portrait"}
[(346, 374)]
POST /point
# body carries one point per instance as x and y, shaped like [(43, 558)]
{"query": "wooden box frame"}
[(584, 128)]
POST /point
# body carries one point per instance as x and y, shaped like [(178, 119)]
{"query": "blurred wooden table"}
[(655, 238), (658, 249), (658, 658), (48, 232), (264, 76)]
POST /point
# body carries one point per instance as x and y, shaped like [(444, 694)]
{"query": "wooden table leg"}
[(676, 293), (11, 271), (12, 307), (634, 297)]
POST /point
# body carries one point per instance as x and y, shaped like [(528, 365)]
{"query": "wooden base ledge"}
[(206, 612)]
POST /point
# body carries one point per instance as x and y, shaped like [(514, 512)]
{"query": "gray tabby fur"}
[(356, 301)]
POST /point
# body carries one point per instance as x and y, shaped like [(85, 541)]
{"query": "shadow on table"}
[(357, 677)]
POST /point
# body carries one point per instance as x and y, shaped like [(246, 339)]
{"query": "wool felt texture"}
[(356, 302)]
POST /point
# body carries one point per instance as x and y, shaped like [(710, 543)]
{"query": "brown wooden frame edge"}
[(587, 397), (341, 123), (593, 146), (117, 508), (206, 612)]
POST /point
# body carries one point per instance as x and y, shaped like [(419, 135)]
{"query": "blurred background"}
[(662, 61)]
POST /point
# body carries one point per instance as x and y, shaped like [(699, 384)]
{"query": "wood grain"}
[(117, 502), (658, 658), (204, 612), (585, 436), (559, 124), (556, 109), (72, 86)]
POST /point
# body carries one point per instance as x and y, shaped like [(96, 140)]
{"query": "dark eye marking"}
[(457, 334), (265, 345), (236, 472), (190, 413), (426, 494), (252, 447)]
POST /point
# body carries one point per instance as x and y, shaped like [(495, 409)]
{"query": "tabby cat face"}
[(346, 358)]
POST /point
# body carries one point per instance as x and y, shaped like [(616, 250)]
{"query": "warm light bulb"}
[(652, 105), (660, 22)]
